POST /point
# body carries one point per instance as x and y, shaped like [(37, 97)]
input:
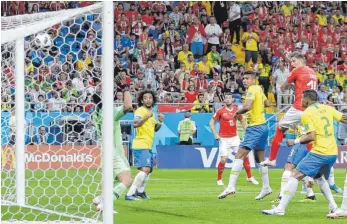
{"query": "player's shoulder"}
[(220, 110), (140, 110)]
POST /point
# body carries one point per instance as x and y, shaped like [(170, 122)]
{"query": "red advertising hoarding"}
[(54, 157), (174, 108)]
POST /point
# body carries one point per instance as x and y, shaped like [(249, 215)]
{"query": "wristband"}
[(297, 141)]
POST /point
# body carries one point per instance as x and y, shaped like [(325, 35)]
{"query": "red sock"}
[(220, 170), (247, 167), (309, 147), (276, 143)]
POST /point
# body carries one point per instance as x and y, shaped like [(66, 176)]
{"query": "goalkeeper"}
[(121, 167)]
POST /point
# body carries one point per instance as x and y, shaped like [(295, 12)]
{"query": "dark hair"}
[(228, 94), (340, 88), (311, 95), (201, 94), (142, 93)]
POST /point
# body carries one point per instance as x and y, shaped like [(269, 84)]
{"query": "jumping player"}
[(297, 153), (228, 139), (318, 122), (146, 125), (303, 78), (121, 167), (255, 137)]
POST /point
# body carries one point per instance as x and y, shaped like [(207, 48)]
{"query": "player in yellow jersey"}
[(255, 137), (145, 124), (318, 122)]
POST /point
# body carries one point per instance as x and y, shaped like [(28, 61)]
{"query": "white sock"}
[(288, 193), (141, 189), (235, 172), (331, 177), (264, 172), (119, 190), (309, 190), (324, 186), (344, 200), (140, 177), (285, 178)]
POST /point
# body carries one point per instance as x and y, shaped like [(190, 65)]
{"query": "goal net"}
[(51, 160)]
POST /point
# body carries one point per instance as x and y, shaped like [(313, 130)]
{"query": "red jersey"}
[(305, 78), (227, 122)]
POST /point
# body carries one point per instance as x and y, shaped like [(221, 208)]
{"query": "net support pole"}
[(107, 111), (20, 123)]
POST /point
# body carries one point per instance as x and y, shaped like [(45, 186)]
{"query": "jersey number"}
[(312, 84), (326, 126)]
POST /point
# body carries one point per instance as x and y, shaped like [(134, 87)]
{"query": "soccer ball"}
[(43, 40)]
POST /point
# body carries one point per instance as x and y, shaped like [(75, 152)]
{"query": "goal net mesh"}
[(62, 155)]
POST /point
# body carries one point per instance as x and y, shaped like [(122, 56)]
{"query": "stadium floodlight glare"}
[(55, 180)]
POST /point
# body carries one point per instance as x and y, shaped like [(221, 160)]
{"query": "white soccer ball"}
[(43, 40)]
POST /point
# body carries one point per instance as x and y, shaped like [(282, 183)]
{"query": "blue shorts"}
[(255, 137), (143, 158), (297, 153), (315, 165)]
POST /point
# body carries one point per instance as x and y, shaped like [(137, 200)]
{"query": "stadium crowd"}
[(189, 52)]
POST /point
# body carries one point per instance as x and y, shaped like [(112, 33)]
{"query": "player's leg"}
[(264, 172), (143, 164), (235, 144), (332, 183), (121, 170), (341, 212), (141, 190), (224, 151), (288, 169), (253, 136), (247, 166), (259, 156), (307, 182), (288, 193), (235, 171), (308, 166), (291, 118)]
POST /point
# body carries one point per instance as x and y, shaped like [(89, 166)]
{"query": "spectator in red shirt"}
[(132, 12), (191, 94)]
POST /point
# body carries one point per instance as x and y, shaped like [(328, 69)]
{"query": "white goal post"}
[(14, 30)]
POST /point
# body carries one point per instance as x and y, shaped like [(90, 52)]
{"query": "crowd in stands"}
[(188, 52)]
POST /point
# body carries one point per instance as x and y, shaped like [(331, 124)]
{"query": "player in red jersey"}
[(229, 141), (304, 78)]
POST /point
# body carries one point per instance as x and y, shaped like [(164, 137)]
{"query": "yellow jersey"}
[(189, 65), (322, 19), (256, 116), (181, 57), (320, 119), (83, 65), (336, 18), (144, 134), (287, 10), (341, 79), (264, 70), (251, 44), (206, 68)]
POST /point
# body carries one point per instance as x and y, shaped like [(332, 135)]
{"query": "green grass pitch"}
[(177, 196)]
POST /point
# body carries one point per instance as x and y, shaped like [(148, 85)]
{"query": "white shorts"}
[(291, 119), (229, 145)]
